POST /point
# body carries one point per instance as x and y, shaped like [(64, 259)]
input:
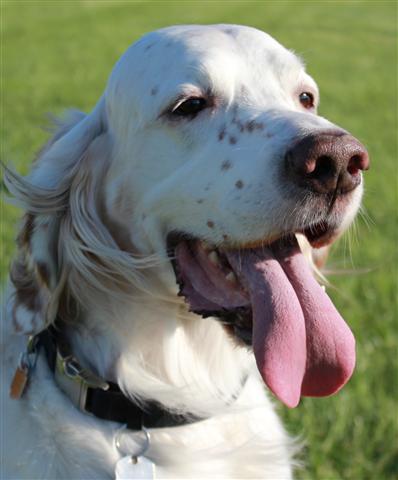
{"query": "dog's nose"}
[(327, 162)]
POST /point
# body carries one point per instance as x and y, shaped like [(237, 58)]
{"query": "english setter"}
[(159, 284)]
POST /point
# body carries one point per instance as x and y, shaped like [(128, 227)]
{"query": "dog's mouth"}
[(267, 296)]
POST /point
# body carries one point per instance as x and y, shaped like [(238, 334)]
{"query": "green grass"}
[(56, 55)]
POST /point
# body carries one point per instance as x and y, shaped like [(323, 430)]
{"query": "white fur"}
[(111, 185)]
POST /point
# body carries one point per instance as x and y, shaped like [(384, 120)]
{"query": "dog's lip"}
[(318, 234)]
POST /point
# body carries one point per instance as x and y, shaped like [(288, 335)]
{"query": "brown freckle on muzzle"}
[(154, 91), (239, 184), (253, 125), (210, 224), (200, 200), (232, 140), (226, 165), (221, 134)]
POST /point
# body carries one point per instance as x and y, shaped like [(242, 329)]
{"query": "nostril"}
[(324, 167), (353, 167), (358, 162)]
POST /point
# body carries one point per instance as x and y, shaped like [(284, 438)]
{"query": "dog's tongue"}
[(301, 344)]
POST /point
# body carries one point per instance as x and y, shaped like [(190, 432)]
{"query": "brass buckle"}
[(74, 380)]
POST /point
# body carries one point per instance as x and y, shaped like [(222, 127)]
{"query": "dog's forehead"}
[(186, 46), (211, 56)]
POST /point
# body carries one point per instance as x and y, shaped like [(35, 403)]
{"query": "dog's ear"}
[(35, 276), (38, 272)]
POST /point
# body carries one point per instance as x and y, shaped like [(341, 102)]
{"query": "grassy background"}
[(59, 54)]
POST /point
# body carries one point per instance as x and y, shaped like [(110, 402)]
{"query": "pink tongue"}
[(330, 342), (301, 344), (278, 323)]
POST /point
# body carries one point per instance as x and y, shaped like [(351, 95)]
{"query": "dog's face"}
[(205, 120)]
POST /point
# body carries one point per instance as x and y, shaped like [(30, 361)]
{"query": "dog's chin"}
[(212, 287)]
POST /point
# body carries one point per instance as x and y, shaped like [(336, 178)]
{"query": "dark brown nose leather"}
[(327, 162)]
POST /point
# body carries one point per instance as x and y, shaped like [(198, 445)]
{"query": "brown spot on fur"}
[(253, 125), (210, 224), (43, 272), (154, 91), (148, 47), (250, 126), (239, 124), (226, 165), (26, 286), (200, 200), (23, 239), (232, 140), (225, 236), (221, 134), (239, 184)]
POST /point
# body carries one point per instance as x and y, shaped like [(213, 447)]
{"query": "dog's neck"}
[(147, 348)]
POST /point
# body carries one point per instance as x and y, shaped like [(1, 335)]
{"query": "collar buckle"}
[(74, 380)]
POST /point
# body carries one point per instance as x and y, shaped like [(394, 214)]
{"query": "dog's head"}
[(206, 146)]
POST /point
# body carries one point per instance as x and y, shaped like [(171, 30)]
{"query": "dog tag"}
[(19, 382), (134, 467)]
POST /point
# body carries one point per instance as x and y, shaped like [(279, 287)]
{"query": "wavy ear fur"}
[(68, 250), (38, 273), (34, 275)]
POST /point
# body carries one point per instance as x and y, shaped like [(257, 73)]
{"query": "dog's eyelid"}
[(177, 100), (188, 106), (186, 99)]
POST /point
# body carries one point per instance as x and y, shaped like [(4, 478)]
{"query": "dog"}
[(166, 267)]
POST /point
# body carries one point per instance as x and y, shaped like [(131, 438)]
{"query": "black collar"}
[(92, 395)]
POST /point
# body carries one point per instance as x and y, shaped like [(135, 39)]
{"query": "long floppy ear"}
[(35, 275), (38, 273)]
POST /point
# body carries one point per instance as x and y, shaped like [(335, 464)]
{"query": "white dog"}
[(158, 245)]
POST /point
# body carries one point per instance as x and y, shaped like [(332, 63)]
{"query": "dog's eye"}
[(307, 100), (190, 107)]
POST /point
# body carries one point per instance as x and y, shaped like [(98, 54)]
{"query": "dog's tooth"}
[(213, 257), (231, 277)]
